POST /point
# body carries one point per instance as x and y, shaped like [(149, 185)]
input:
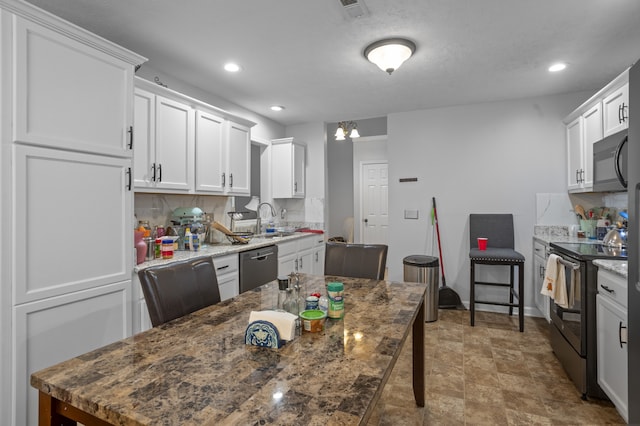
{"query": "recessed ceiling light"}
[(231, 67), (557, 67), (277, 108)]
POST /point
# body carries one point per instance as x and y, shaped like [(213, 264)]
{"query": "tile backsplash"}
[(158, 209)]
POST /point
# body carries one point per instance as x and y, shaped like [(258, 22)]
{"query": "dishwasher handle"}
[(262, 256)]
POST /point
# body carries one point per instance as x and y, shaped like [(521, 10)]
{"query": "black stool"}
[(498, 229)]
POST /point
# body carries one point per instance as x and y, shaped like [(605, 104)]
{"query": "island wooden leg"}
[(418, 357), (47, 415)]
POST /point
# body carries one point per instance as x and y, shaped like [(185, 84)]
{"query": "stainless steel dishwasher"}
[(257, 267)]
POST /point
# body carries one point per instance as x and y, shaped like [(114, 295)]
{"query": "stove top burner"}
[(592, 250)]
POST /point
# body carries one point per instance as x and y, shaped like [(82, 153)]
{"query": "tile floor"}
[(488, 374)]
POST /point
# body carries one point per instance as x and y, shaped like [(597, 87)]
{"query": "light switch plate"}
[(410, 214)]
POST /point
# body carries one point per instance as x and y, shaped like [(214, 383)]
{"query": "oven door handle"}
[(572, 265)]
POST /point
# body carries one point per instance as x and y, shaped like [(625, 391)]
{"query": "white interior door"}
[(375, 203)]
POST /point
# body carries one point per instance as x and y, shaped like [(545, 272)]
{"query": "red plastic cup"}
[(482, 243)]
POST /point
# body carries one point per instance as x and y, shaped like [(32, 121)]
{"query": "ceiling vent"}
[(353, 9)]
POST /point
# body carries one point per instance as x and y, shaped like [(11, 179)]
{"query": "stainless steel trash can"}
[(424, 269)]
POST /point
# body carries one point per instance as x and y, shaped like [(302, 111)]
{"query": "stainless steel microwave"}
[(610, 163)]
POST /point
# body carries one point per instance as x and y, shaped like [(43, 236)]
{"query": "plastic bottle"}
[(323, 303), (187, 239), (195, 242)]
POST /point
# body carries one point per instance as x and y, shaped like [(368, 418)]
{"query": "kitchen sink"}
[(275, 234)]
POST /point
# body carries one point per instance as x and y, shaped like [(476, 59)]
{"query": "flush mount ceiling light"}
[(232, 67), (390, 53), (277, 107), (559, 66), (344, 127)]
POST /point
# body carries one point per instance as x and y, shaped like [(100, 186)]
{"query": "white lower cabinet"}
[(304, 255), (611, 320), (55, 329), (539, 268), (227, 274)]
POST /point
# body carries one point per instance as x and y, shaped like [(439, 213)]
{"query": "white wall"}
[(484, 158), (264, 129)]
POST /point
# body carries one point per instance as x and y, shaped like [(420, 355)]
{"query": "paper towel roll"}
[(285, 322)]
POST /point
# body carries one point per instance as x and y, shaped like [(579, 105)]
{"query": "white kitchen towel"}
[(554, 284), (285, 322)]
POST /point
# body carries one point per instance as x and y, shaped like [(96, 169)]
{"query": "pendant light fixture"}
[(347, 128), (390, 53)]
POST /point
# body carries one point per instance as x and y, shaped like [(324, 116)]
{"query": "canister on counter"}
[(158, 251), (335, 291), (167, 248), (311, 303), (151, 248)]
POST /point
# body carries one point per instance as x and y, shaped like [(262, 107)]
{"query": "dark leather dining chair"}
[(498, 229), (180, 288), (356, 260)]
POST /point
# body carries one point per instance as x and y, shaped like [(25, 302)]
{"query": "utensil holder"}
[(589, 228)]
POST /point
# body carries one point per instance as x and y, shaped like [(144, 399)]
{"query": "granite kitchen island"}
[(197, 370)]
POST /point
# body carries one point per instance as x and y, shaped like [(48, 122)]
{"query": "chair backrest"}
[(179, 288), (498, 228), (356, 260)]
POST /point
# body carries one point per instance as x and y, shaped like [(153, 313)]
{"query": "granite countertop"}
[(617, 266), (223, 249), (197, 370), (557, 234)]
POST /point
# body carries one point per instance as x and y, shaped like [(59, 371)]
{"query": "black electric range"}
[(591, 251), (573, 326)]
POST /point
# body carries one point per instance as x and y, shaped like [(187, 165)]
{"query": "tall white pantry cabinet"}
[(66, 240)]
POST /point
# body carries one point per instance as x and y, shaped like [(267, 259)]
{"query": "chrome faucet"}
[(259, 219)]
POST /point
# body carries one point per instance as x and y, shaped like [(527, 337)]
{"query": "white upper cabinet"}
[(603, 114), (582, 133), (144, 142), (574, 154), (68, 94), (616, 110), (210, 153), (182, 145), (239, 143), (174, 145), (287, 168), (163, 143)]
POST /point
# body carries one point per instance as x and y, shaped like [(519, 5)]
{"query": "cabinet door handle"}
[(620, 338), (130, 131), (607, 289), (159, 172), (295, 186), (224, 180), (577, 175), (222, 267), (128, 172), (317, 258), (296, 263), (620, 113), (623, 109), (230, 180), (153, 177)]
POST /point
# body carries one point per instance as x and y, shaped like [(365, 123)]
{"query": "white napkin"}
[(555, 285), (285, 322)]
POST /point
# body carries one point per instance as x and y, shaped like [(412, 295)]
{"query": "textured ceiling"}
[(307, 56)]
